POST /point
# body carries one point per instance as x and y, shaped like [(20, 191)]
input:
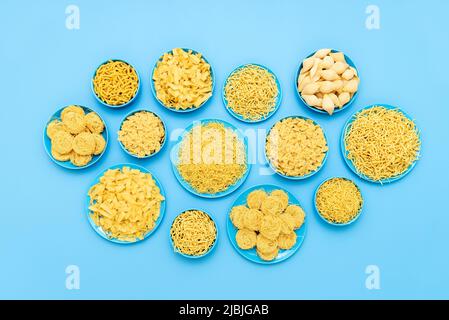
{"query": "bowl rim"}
[(356, 217), (296, 177), (336, 110), (240, 117), (163, 125), (46, 140), (153, 89), (110, 105)]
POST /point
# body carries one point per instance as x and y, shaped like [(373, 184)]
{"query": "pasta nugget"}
[(100, 143), (79, 160), (268, 256), (246, 239), (272, 205), (255, 199), (287, 223), (69, 109), (84, 144), (62, 142), (59, 156), (270, 227), (55, 126), (237, 214), (75, 122), (297, 214), (282, 196), (94, 122), (265, 245), (287, 241), (252, 219)]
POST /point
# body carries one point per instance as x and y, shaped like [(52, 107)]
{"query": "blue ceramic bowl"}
[(240, 117), (99, 230), (252, 254), (204, 254), (68, 164), (163, 142), (349, 62), (153, 89), (330, 222), (345, 152), (185, 184), (109, 105), (296, 177)]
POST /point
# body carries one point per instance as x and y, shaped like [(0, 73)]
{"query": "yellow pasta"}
[(116, 83), (251, 92), (193, 233), (211, 158), (125, 203), (382, 143), (296, 146), (338, 200)]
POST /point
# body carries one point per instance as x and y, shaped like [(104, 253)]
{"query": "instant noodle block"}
[(125, 204), (75, 137), (193, 233), (266, 224)]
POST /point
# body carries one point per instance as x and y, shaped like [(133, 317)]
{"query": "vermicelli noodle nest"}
[(116, 82), (339, 200), (382, 143), (251, 91), (211, 158), (193, 233)]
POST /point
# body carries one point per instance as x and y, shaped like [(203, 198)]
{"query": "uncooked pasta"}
[(116, 82), (193, 233), (382, 143)]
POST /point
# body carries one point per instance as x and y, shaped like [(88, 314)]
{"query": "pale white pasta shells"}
[(322, 53), (339, 67), (311, 88), (330, 75)]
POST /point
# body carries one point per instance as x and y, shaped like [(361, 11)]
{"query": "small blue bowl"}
[(109, 105), (204, 254), (240, 117), (68, 164), (296, 177), (153, 89), (174, 160), (163, 142), (330, 222), (349, 62), (252, 254), (99, 230), (345, 152)]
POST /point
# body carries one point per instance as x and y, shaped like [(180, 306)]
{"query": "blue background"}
[(403, 229)]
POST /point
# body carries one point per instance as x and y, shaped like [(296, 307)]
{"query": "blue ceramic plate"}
[(296, 177), (153, 89), (163, 142), (330, 222), (252, 254), (109, 105), (68, 164), (204, 254), (174, 160), (240, 117), (350, 63), (344, 152), (99, 230)]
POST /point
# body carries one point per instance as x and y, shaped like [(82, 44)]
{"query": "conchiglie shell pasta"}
[(311, 88), (322, 53), (330, 75)]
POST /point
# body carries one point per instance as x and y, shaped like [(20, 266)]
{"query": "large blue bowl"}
[(185, 184), (99, 230), (349, 62), (296, 177), (240, 117), (330, 222), (68, 164), (163, 142), (345, 152), (204, 254), (109, 105), (252, 254), (153, 89)]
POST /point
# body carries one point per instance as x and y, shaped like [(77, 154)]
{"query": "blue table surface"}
[(403, 229)]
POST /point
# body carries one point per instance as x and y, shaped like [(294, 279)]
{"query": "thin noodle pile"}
[(116, 83), (251, 92), (382, 143), (193, 233), (339, 200)]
